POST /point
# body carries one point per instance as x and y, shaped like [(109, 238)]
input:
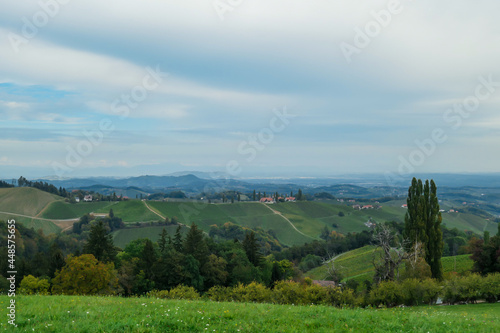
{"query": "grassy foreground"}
[(114, 314)]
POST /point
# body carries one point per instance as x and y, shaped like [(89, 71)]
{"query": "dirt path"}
[(286, 219), (44, 208), (153, 211)]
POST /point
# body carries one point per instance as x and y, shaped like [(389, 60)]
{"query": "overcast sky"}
[(156, 86)]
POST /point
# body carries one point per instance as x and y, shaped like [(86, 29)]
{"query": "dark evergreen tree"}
[(100, 243), (148, 260), (111, 214), (195, 244), (252, 249), (253, 195), (423, 223), (163, 242), (177, 242), (56, 259)]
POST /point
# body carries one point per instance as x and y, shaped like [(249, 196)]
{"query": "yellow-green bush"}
[(337, 296), (220, 294), (253, 292), (31, 285), (387, 293), (418, 292), (490, 287), (183, 292), (289, 292)]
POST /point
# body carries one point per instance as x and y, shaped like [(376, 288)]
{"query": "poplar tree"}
[(423, 223)]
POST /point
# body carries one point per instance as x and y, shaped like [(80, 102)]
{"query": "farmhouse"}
[(267, 200), (87, 198), (367, 207), (290, 199), (77, 199)]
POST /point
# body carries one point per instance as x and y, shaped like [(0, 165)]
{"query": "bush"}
[(315, 294), (339, 297), (220, 294), (463, 289), (387, 293), (253, 292), (31, 285), (288, 292), (183, 292), (158, 294), (418, 292), (490, 287)]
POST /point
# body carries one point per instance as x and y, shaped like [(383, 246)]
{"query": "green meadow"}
[(115, 314)]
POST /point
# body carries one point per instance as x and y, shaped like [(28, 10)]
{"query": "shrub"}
[(253, 292), (288, 292), (418, 292), (220, 294), (158, 294), (31, 285), (337, 296), (387, 293), (490, 287), (183, 292), (315, 294)]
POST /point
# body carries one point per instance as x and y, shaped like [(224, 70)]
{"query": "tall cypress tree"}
[(423, 223)]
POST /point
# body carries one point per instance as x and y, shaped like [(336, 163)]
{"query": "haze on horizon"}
[(290, 88)]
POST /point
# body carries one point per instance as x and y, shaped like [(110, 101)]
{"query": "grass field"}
[(246, 214), (62, 210), (124, 236), (114, 314), (25, 200), (48, 227), (358, 264), (310, 218), (131, 211)]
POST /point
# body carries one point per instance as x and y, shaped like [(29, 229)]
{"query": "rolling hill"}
[(358, 264)]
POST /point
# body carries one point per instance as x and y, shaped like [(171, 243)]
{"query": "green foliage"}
[(423, 223), (100, 243), (289, 292), (253, 292), (486, 255), (183, 292), (31, 285), (85, 275), (387, 293)]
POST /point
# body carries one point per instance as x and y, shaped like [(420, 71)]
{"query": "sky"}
[(251, 88)]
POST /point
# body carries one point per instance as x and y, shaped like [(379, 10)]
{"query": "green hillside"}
[(358, 264), (25, 200), (131, 211), (124, 236), (246, 214), (63, 210)]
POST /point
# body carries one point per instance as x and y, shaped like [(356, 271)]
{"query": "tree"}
[(177, 242), (195, 244), (85, 275), (164, 241), (387, 267), (56, 261), (423, 223), (300, 196), (253, 195), (214, 271), (251, 248), (148, 259), (111, 214), (100, 243)]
